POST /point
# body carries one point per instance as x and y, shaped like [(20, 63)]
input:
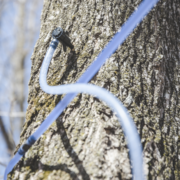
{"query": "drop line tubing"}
[(71, 90)]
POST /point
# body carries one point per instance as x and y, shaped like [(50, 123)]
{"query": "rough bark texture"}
[(86, 141)]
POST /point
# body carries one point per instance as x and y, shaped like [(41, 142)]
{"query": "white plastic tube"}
[(124, 118)]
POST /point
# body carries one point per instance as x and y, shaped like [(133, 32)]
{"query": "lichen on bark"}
[(86, 141)]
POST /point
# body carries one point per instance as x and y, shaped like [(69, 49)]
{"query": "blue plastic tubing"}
[(71, 90)]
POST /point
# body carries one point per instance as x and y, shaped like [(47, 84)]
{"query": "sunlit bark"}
[(86, 141)]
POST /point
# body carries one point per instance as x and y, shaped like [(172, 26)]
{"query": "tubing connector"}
[(24, 148), (60, 35)]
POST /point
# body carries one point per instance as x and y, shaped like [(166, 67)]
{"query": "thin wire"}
[(118, 39)]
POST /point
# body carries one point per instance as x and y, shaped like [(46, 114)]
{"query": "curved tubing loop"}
[(124, 118), (118, 39)]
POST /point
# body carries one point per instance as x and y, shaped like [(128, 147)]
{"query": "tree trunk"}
[(86, 141)]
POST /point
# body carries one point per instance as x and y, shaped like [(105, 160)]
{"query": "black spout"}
[(60, 35)]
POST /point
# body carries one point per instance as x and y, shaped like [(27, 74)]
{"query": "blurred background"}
[(19, 30)]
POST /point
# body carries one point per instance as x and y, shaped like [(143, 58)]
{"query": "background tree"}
[(86, 141), (19, 27)]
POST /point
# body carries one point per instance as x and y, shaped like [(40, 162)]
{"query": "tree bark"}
[(86, 141)]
